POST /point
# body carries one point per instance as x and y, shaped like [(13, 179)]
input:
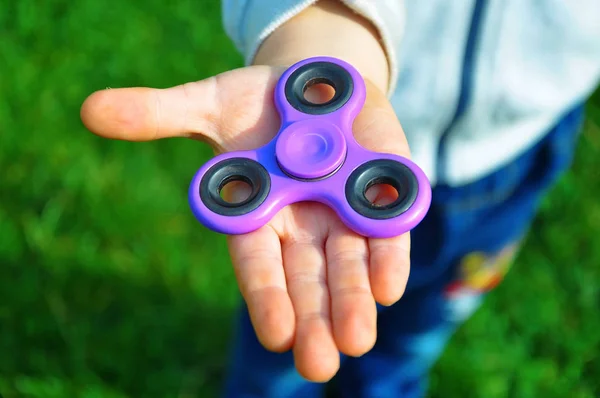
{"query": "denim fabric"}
[(474, 222)]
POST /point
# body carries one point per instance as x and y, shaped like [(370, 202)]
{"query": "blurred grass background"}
[(110, 288)]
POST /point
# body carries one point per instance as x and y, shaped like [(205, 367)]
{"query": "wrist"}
[(328, 28)]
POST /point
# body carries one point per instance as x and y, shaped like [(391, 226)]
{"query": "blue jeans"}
[(460, 251)]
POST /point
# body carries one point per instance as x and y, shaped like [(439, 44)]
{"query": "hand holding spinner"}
[(313, 157)]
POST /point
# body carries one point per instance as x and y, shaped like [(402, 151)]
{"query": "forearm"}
[(328, 28)]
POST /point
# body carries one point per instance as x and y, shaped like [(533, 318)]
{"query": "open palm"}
[(310, 283)]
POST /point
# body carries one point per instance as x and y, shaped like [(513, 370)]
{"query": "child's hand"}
[(309, 282)]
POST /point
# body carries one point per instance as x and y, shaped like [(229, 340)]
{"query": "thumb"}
[(143, 114), (217, 110)]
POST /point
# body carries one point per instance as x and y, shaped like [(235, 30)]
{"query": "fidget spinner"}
[(313, 157)]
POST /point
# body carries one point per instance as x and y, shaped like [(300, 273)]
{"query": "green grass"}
[(110, 288)]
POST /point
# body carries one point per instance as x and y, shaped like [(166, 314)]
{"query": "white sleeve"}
[(249, 22)]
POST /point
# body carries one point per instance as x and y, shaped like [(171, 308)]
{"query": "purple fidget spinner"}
[(313, 157)]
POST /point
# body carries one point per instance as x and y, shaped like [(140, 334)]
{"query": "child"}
[(489, 94)]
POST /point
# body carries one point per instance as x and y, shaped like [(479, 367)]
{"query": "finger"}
[(259, 271), (353, 309), (389, 267), (377, 128), (233, 110), (315, 352)]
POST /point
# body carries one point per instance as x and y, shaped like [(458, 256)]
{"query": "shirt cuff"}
[(250, 23)]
